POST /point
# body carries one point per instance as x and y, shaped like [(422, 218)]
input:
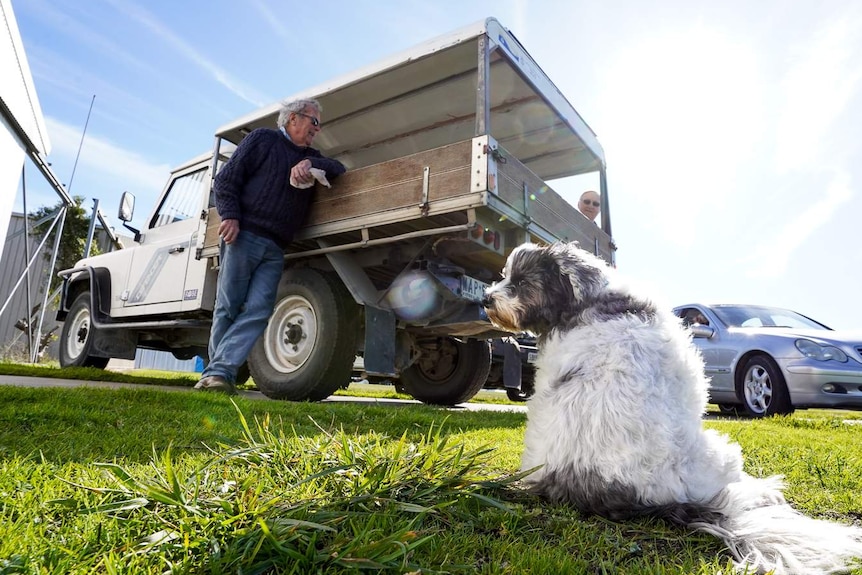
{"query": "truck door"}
[(161, 264)]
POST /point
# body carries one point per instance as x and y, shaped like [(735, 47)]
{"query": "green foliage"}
[(74, 238)]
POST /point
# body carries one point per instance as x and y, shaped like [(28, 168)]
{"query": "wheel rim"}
[(79, 333), (437, 365), (758, 389), (291, 334)]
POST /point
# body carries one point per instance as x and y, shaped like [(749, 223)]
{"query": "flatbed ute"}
[(449, 149)]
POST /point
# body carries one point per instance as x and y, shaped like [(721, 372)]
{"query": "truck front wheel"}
[(449, 371), (76, 338), (308, 347)]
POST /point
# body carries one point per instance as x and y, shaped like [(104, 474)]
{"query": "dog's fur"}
[(614, 426)]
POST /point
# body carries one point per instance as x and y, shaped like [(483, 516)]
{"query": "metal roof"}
[(426, 97)]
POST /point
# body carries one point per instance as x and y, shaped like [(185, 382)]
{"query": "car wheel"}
[(528, 386), (308, 347), (764, 390), (728, 409), (76, 338), (449, 371)]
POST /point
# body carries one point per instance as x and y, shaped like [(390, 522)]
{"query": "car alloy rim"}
[(758, 389)]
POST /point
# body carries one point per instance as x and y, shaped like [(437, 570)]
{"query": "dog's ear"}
[(584, 271)]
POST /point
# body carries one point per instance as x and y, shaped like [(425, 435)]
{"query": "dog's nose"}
[(487, 301)]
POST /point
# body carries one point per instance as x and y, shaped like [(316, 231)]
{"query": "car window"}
[(762, 316), (183, 200), (691, 316)]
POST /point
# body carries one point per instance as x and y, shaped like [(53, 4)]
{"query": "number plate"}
[(472, 289)]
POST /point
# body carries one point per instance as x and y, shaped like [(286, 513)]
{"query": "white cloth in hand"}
[(318, 174)]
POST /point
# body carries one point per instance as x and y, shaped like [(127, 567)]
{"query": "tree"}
[(75, 229)]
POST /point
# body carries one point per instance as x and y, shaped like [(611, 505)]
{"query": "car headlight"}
[(820, 352)]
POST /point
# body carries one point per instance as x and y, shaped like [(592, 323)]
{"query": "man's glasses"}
[(588, 202), (314, 121)]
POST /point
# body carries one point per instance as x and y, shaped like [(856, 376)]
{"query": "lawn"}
[(144, 481)]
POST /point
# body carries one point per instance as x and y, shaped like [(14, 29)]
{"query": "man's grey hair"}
[(295, 107)]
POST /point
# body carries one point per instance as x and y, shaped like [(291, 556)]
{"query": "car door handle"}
[(177, 250)]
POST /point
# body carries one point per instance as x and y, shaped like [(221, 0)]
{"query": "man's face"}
[(589, 205), (303, 126)]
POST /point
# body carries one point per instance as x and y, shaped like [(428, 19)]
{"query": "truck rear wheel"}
[(76, 338), (308, 347), (449, 371)]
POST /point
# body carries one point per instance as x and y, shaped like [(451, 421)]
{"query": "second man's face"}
[(589, 205)]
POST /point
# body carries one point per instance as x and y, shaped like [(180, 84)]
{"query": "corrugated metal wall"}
[(153, 359), (13, 342)]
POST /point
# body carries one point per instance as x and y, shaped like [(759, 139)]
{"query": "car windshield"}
[(759, 316)]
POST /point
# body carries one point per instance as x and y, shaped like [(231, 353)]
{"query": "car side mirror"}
[(126, 211), (127, 207), (704, 331)]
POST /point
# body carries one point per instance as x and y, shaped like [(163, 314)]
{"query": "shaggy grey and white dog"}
[(615, 427)]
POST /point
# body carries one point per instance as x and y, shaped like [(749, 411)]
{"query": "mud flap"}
[(119, 343), (511, 365), (379, 354)]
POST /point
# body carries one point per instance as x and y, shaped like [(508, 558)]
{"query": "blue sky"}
[(731, 130)]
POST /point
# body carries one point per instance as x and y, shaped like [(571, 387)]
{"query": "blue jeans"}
[(248, 277)]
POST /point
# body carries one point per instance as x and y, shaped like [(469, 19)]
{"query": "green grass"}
[(188, 379), (142, 376), (143, 481)]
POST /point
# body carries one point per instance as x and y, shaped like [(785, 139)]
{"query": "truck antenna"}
[(80, 145)]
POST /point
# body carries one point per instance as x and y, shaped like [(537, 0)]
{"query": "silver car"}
[(769, 361)]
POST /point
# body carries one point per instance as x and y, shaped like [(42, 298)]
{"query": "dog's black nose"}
[(487, 301)]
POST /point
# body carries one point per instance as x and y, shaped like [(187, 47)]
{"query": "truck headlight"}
[(820, 352)]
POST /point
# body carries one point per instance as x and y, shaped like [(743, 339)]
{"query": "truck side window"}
[(183, 200)]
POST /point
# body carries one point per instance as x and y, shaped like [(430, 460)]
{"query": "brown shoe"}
[(216, 383)]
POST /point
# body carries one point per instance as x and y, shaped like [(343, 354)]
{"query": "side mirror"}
[(127, 210), (704, 331), (127, 207)]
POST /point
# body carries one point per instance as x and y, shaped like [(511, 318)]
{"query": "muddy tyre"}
[(76, 337), (307, 349), (449, 371)]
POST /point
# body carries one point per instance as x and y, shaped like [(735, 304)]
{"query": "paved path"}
[(47, 382)]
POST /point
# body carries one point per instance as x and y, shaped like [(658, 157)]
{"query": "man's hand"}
[(301, 172), (228, 230)]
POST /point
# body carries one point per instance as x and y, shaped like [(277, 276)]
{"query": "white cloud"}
[(66, 24), (772, 255), (272, 20), (102, 158), (244, 91), (687, 113), (824, 76)]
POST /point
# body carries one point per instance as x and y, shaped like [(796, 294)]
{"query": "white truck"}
[(449, 148)]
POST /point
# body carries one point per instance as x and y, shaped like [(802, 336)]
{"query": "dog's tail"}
[(765, 534)]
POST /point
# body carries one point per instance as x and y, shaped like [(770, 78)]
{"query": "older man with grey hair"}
[(589, 204), (260, 211)]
